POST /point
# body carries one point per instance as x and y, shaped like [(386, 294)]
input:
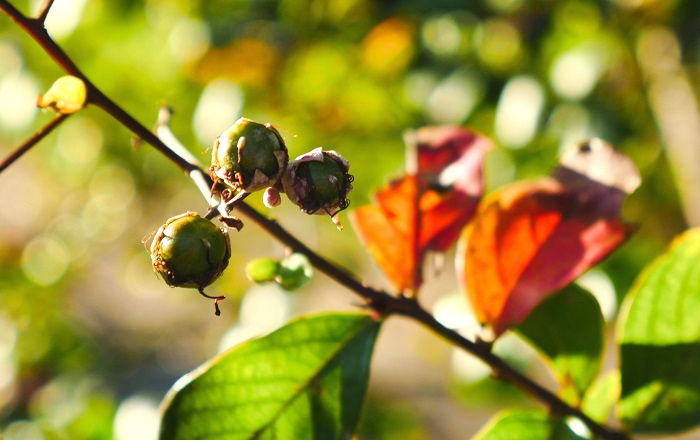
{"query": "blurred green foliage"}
[(89, 335)]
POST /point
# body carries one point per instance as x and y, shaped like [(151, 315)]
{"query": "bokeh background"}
[(90, 339)]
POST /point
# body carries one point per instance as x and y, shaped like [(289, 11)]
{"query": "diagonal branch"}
[(33, 140), (379, 300)]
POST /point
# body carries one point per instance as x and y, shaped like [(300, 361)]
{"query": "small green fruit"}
[(318, 182), (262, 270), (190, 251), (249, 156), (294, 271)]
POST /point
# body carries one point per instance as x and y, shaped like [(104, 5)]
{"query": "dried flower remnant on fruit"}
[(190, 251), (66, 95), (249, 156), (318, 182)]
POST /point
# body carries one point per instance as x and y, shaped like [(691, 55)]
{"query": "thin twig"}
[(33, 140), (379, 300), (44, 11)]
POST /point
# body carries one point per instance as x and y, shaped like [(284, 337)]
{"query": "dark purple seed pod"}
[(318, 182)]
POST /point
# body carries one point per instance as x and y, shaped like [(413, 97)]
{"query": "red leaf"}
[(530, 239), (426, 208)]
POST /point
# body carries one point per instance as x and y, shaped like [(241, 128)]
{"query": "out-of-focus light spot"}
[(264, 308), (26, 197), (510, 346), (467, 368), (575, 72), (61, 401), (388, 47), (498, 45), (111, 188), (105, 225), (18, 95), (23, 430), (505, 5), (139, 278), (80, 141), (453, 311), (499, 169), (11, 59), (599, 284), (235, 335), (45, 260), (245, 60), (518, 111), (569, 122), (8, 336), (578, 427), (63, 17), (7, 376), (453, 100), (137, 418), (441, 35), (219, 106), (658, 51), (633, 3), (189, 39), (417, 87), (67, 227)]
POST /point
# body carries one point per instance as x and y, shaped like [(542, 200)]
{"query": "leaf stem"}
[(33, 140), (379, 300)]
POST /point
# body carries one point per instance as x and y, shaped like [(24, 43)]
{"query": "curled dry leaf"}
[(530, 239), (426, 208)]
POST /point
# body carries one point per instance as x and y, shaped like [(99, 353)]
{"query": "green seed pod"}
[(318, 182), (249, 156), (190, 251)]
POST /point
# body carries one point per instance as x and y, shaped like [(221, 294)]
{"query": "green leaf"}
[(659, 338), (295, 271), (530, 424), (306, 380), (600, 397), (567, 329), (261, 270)]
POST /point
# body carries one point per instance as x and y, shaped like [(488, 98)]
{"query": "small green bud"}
[(249, 156), (190, 251), (294, 271), (318, 182), (262, 270)]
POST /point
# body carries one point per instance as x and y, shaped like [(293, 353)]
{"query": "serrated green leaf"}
[(261, 270), (600, 397), (567, 329), (530, 424), (660, 343), (306, 380)]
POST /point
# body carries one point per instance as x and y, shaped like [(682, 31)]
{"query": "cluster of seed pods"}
[(190, 251)]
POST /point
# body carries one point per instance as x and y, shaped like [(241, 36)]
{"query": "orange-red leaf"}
[(530, 239), (427, 208)]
